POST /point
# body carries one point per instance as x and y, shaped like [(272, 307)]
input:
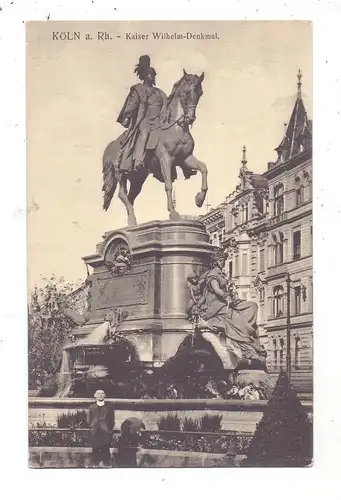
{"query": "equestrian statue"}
[(156, 141)]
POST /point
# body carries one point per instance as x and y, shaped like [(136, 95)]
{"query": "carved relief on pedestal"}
[(118, 258), (130, 289)]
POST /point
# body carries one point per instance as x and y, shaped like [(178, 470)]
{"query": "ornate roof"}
[(298, 133), (249, 179)]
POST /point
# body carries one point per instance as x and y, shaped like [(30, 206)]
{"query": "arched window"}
[(278, 199), (278, 301), (299, 195)]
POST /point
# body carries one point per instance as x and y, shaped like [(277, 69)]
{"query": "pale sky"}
[(77, 88)]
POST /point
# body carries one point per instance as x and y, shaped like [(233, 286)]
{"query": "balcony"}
[(277, 219)]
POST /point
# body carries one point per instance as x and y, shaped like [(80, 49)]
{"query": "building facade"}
[(266, 229)]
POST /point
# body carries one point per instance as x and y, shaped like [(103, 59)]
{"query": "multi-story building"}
[(290, 246), (268, 242), (215, 224)]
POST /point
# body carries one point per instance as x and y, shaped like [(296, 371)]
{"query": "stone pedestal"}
[(153, 289)]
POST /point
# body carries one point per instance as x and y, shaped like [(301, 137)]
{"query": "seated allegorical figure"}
[(227, 322)]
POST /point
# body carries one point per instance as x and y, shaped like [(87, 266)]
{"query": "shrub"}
[(72, 420), (48, 329), (42, 424), (211, 423), (283, 437), (237, 442), (169, 423), (190, 424)]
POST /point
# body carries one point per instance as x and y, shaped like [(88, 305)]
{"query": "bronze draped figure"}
[(157, 140), (224, 320)]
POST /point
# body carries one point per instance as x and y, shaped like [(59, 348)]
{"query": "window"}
[(230, 269), (246, 212), (261, 260), (299, 195), (281, 352), (311, 241), (261, 295), (297, 351), (310, 294), (278, 305), (310, 190), (308, 183), (279, 199), (241, 214), (297, 300), (297, 245), (237, 265), (274, 250), (278, 249)]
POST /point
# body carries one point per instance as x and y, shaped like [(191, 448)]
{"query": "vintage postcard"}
[(170, 241)]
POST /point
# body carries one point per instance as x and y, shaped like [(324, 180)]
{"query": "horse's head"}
[(189, 91)]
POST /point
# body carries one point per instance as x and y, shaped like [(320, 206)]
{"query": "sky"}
[(75, 90)]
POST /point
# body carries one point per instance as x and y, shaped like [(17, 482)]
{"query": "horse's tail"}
[(110, 180)]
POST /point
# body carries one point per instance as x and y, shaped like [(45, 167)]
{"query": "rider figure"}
[(140, 115)]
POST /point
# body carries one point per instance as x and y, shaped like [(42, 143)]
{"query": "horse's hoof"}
[(200, 198), (174, 216)]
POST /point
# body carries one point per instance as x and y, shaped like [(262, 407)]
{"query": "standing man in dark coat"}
[(101, 420)]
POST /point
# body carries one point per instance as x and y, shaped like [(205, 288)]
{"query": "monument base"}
[(138, 291)]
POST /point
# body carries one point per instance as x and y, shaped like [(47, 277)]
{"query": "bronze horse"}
[(172, 147)]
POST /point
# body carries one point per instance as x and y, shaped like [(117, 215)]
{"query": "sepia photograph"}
[(169, 244)]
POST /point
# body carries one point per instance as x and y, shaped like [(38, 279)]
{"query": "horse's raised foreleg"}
[(122, 194), (165, 165), (193, 162)]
